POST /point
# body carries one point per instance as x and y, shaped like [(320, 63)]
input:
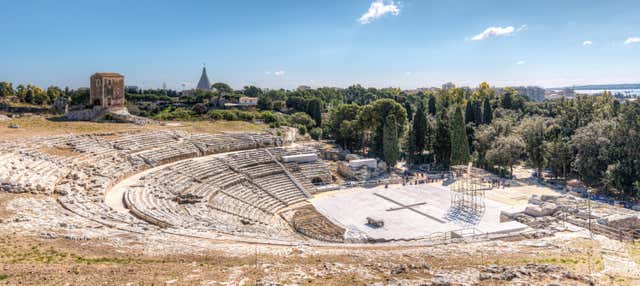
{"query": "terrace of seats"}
[(239, 192), (249, 187)]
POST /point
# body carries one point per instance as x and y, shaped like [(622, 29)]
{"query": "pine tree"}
[(442, 144), (391, 148), (432, 105), (487, 113), (459, 141)]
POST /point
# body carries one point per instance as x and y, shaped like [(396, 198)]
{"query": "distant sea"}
[(625, 92)]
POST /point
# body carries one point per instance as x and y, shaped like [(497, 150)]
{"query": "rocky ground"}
[(41, 244)]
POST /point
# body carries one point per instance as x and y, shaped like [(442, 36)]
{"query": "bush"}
[(199, 108), (229, 115), (301, 118), (301, 129), (316, 133), (176, 114)]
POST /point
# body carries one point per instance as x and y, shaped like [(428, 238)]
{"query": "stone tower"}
[(203, 83), (107, 90)]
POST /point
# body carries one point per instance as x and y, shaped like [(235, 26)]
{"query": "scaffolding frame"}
[(467, 196)]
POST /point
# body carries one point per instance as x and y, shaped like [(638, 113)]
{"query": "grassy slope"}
[(41, 126)]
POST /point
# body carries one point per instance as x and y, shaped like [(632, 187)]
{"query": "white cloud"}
[(378, 9), (494, 32), (276, 73), (587, 43), (632, 40), (407, 73), (522, 28), (520, 62)]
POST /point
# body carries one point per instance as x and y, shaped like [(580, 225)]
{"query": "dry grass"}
[(34, 126)]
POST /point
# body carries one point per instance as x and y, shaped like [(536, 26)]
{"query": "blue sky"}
[(283, 44)]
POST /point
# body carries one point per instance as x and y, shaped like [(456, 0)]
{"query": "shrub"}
[(316, 133), (301, 118), (301, 129), (176, 114)]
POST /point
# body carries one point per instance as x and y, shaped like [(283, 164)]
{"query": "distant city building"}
[(448, 86), (244, 102), (248, 101), (534, 93), (107, 90), (204, 83)]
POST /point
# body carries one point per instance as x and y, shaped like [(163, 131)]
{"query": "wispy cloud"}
[(587, 43), (378, 9), (520, 62), (522, 28), (279, 73), (493, 32), (632, 40)]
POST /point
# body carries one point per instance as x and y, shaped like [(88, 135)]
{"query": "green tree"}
[(487, 113), (559, 157), (507, 98), (442, 144), (343, 126), (468, 113), (477, 112), (532, 130), (53, 93), (222, 88), (372, 119), (301, 118), (252, 91), (391, 142), (432, 105), (459, 141), (505, 151), (314, 109), (419, 131), (593, 154), (409, 108), (6, 90)]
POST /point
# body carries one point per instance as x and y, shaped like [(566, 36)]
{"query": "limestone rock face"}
[(623, 221), (350, 157), (546, 209)]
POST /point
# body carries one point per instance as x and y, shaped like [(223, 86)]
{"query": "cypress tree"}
[(314, 109), (420, 129), (391, 148), (487, 113), (468, 112), (442, 144), (507, 100), (409, 109), (459, 141), (432, 105), (477, 112)]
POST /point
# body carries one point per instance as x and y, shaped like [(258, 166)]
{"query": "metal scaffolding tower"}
[(467, 196)]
